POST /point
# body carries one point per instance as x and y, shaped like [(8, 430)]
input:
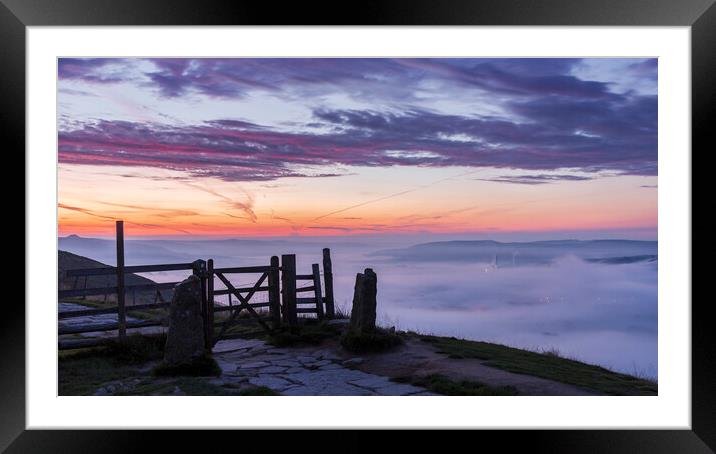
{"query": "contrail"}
[(91, 213), (397, 194), (85, 211), (499, 208), (160, 227), (165, 212)]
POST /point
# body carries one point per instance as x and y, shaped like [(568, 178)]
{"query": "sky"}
[(311, 147)]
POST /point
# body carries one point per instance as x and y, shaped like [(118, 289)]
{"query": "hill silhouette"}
[(69, 261)]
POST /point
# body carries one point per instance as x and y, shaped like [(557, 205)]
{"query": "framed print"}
[(474, 216)]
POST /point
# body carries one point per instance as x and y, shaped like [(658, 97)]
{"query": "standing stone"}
[(185, 337), (364, 302)]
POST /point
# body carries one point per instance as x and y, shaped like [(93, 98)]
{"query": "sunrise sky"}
[(279, 147)]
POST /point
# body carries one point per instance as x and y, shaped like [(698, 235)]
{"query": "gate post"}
[(328, 283), (121, 314), (274, 293), (288, 281), (209, 319)]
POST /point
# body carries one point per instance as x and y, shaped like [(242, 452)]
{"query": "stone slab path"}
[(316, 372), (100, 321)]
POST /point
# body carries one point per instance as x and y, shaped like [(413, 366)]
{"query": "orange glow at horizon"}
[(158, 202)]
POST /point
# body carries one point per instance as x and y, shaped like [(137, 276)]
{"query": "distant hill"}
[(148, 252), (526, 253), (69, 261), (225, 252), (136, 252)]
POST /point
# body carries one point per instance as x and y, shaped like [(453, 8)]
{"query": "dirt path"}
[(416, 358)]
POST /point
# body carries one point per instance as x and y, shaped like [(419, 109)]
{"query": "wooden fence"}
[(197, 267), (278, 281)]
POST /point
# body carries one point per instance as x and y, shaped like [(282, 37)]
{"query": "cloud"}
[(551, 119), (516, 76), (341, 228), (236, 77), (399, 78), (69, 91), (91, 70), (619, 138), (246, 207), (535, 179)]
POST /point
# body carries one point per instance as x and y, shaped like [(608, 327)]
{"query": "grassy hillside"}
[(545, 365)]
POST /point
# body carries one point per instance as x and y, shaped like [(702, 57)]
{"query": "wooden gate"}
[(269, 314)]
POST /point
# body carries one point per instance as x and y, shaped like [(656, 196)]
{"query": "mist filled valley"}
[(595, 301)]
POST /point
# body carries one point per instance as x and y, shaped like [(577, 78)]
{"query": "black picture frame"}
[(700, 15)]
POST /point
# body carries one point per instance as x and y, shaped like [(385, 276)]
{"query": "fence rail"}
[(109, 310), (244, 270), (73, 293), (106, 327), (130, 269), (241, 290)]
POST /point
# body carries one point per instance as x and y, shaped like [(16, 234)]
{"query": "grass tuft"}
[(137, 348), (440, 384), (203, 366), (258, 391), (310, 332), (340, 312), (377, 341), (191, 386), (134, 349)]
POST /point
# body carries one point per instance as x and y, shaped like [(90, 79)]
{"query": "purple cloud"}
[(553, 120), (234, 77), (535, 179), (599, 135), (87, 69)]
